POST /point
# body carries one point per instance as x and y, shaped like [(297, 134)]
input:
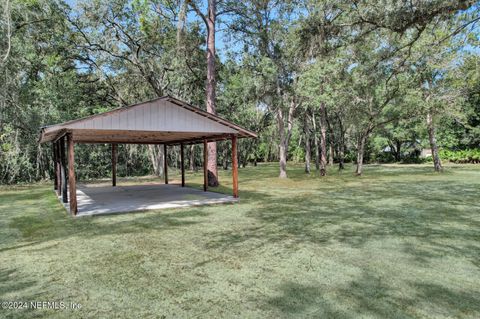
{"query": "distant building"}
[(426, 152)]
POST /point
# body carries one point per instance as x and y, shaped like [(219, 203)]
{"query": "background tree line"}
[(322, 82)]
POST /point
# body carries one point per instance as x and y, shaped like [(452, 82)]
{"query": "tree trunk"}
[(244, 162), (323, 139), (331, 144), (341, 146), (211, 108), (156, 157), (225, 159), (360, 151), (315, 140), (332, 154), (282, 152), (307, 156), (437, 164), (291, 109), (308, 151), (362, 140), (192, 167), (398, 151), (284, 136)]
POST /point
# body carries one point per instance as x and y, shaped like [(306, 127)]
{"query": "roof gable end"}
[(160, 115)]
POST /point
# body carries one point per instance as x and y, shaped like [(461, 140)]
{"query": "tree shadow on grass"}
[(299, 301), (354, 216), (366, 296), (11, 283), (449, 302), (372, 297), (15, 288), (55, 225)]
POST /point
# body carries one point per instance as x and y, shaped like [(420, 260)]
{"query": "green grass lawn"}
[(398, 242)]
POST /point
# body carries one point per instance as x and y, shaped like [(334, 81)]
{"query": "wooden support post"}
[(71, 175), (55, 168), (182, 164), (114, 164), (63, 169), (165, 163), (234, 166), (58, 169), (205, 162)]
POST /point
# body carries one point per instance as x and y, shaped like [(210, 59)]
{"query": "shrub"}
[(461, 156)]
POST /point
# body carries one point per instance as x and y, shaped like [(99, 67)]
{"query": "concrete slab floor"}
[(99, 200)]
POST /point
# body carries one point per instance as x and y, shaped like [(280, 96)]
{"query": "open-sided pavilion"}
[(164, 120)]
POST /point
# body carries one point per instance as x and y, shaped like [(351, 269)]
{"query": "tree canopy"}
[(325, 81)]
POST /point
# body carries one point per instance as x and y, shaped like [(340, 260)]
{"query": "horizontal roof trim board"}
[(161, 120)]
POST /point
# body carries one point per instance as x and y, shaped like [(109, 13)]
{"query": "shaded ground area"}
[(96, 199), (398, 242)]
